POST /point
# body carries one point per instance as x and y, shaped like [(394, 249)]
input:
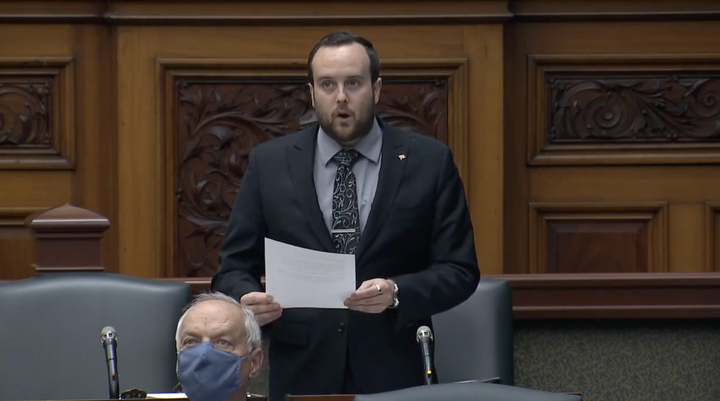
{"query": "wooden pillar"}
[(67, 239)]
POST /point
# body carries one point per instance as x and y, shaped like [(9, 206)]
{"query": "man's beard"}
[(362, 127)]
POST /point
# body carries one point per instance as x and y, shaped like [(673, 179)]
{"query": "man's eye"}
[(327, 84), (353, 83), (224, 345)]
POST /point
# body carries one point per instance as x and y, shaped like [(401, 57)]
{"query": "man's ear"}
[(312, 95), (376, 89), (256, 361)]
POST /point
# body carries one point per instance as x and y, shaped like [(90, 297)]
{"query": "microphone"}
[(424, 337), (109, 342)]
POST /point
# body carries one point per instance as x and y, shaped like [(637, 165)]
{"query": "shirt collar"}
[(369, 147)]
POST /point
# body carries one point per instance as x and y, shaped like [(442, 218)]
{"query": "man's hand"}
[(262, 305), (373, 296)]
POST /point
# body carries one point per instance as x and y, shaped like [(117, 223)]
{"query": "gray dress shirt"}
[(366, 170)]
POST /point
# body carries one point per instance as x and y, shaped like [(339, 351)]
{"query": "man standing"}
[(352, 184)]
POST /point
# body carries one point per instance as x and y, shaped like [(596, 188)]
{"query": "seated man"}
[(219, 349)]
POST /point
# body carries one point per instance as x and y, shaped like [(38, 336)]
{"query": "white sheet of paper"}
[(303, 278)]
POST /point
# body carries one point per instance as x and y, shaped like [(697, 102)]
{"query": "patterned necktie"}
[(346, 217)]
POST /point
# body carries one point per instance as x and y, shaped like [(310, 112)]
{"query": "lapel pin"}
[(401, 157)]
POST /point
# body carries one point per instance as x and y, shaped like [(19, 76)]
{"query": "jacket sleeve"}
[(242, 254), (452, 275)]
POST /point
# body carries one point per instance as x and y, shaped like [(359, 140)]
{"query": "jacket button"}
[(341, 327)]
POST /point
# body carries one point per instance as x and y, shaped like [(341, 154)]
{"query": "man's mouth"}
[(343, 115)]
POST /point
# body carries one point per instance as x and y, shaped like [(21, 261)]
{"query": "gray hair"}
[(252, 328)]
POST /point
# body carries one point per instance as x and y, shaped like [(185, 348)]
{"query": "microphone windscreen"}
[(423, 331), (108, 332)]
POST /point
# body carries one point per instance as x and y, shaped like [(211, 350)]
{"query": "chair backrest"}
[(474, 340), (467, 392), (50, 326)]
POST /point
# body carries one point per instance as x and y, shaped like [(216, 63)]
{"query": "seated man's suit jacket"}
[(418, 233)]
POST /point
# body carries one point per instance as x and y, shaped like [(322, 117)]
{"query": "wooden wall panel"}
[(37, 113), (598, 237), (483, 45), (219, 120), (623, 109), (56, 131), (16, 242), (626, 111), (601, 106), (214, 116), (170, 69)]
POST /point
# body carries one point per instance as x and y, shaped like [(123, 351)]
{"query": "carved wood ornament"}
[(219, 122)]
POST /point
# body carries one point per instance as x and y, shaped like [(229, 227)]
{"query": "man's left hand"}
[(373, 296)]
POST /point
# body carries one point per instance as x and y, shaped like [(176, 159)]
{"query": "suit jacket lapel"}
[(300, 164), (394, 152)]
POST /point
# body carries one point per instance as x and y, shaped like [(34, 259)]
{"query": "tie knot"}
[(346, 157)]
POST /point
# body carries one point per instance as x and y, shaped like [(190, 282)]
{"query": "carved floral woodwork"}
[(218, 123), (37, 124), (623, 109), (24, 115), (668, 108)]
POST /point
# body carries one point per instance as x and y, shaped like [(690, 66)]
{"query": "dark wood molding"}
[(613, 10), (615, 296), (324, 12), (48, 11), (600, 296), (256, 12), (15, 216)]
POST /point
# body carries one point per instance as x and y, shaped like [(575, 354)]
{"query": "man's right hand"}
[(262, 305)]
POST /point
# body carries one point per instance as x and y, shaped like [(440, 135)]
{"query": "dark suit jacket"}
[(418, 233)]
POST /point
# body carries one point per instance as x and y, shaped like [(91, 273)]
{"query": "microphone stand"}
[(109, 341), (424, 337)]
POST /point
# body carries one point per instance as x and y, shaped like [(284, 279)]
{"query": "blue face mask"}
[(208, 374)]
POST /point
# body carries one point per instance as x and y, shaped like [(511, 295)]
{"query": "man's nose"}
[(341, 98)]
